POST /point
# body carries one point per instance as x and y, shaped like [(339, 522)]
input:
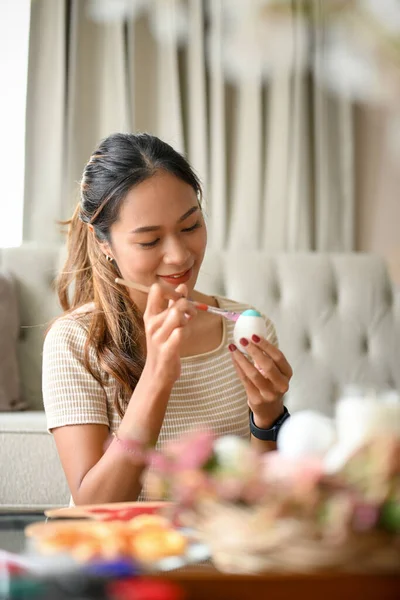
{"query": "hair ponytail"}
[(77, 269)]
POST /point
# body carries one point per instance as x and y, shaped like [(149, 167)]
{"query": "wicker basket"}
[(241, 540)]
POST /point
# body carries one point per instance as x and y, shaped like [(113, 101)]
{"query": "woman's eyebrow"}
[(188, 213), (148, 228)]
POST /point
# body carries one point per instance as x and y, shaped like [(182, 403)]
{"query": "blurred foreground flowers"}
[(267, 511)]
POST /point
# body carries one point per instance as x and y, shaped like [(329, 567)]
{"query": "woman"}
[(146, 368)]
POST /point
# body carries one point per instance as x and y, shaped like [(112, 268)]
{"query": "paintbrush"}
[(173, 295)]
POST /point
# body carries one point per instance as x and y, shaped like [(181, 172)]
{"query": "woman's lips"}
[(183, 278)]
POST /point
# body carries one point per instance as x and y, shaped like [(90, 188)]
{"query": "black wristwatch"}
[(271, 434)]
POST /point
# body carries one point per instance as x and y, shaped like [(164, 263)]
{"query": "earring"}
[(109, 258)]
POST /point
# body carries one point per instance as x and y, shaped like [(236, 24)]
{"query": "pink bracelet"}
[(133, 447)]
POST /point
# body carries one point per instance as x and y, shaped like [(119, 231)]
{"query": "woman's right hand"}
[(165, 324)]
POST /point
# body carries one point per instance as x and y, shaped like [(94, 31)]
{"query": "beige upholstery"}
[(34, 268), (9, 331), (30, 470), (337, 318)]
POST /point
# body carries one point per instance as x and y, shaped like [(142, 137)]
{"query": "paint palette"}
[(118, 511)]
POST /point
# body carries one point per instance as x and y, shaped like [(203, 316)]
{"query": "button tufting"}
[(277, 294), (334, 395), (391, 384), (307, 342), (389, 297)]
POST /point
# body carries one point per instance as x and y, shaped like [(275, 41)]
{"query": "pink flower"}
[(305, 472), (160, 462), (365, 516), (189, 486), (192, 451), (198, 451)]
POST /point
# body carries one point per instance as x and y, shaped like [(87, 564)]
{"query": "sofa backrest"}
[(34, 268), (336, 315)]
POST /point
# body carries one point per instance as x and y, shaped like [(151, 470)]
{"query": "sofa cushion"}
[(10, 397), (31, 475), (33, 267)]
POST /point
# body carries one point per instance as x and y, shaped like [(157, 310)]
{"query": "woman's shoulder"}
[(238, 306), (221, 302), (81, 316), (233, 305), (73, 325)]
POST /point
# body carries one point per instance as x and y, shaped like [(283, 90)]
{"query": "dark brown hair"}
[(116, 331)]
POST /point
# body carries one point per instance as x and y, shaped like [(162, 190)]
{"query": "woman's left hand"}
[(266, 381)]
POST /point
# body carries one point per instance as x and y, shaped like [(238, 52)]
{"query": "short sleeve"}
[(71, 395)]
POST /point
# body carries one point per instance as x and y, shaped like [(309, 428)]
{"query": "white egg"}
[(249, 323), (306, 434)]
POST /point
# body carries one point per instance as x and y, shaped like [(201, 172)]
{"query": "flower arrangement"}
[(259, 512)]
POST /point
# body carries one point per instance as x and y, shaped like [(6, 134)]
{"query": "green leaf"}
[(211, 465), (390, 516)]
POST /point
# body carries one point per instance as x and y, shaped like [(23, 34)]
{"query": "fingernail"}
[(244, 342), (232, 347), (255, 338)]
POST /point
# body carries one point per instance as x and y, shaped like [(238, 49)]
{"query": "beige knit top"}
[(207, 393)]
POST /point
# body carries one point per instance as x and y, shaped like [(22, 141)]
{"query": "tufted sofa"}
[(337, 318)]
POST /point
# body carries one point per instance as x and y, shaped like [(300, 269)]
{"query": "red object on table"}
[(124, 514), (143, 588)]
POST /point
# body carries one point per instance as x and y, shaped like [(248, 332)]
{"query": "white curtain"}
[(45, 122), (275, 156)]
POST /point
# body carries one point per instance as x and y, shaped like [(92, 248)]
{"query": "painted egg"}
[(249, 323), (306, 434)]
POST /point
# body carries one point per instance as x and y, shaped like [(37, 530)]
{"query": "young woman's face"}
[(160, 234)]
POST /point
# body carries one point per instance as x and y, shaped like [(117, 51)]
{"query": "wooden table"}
[(209, 584), (204, 582)]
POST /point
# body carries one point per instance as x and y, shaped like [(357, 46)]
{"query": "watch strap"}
[(270, 434)]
